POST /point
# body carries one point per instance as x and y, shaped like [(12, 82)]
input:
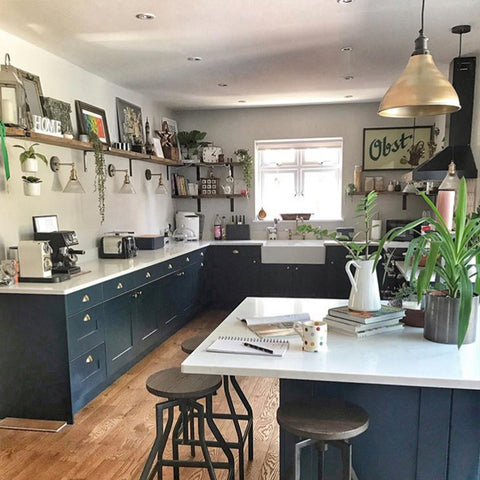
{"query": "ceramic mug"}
[(314, 335)]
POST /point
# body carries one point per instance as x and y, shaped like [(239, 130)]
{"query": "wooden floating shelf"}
[(216, 164), (86, 146), (220, 195)]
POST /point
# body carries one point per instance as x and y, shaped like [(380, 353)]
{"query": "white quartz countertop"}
[(397, 358)]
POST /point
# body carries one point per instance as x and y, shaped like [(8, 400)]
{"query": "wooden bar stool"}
[(322, 422), (182, 390), (243, 435)]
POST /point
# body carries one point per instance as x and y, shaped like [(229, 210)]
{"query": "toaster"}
[(117, 245)]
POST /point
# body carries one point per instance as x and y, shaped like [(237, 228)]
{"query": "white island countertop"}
[(397, 358)]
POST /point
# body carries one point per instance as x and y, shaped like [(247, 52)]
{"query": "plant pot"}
[(365, 294), (441, 319), (29, 165), (32, 189)]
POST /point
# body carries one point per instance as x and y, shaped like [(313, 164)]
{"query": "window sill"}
[(312, 221)]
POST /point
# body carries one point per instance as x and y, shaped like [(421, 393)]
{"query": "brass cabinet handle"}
[(254, 261), (201, 254), (139, 292), (147, 275), (201, 264), (187, 259), (235, 252), (170, 266), (89, 359), (119, 286), (85, 299), (86, 318), (296, 269), (180, 274), (288, 268)]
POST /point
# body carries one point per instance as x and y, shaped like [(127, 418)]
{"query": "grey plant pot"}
[(441, 319)]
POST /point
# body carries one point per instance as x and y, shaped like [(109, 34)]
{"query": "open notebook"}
[(249, 346)]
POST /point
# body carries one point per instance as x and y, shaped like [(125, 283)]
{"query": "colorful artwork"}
[(92, 119)]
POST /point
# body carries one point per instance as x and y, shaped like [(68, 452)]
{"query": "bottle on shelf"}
[(224, 228), (217, 228), (357, 178)]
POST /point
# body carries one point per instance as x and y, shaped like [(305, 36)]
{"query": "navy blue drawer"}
[(85, 331), (84, 299), (118, 286), (170, 266), (88, 371), (192, 257), (148, 274)]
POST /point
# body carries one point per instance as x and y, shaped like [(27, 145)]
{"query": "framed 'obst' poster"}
[(396, 148)]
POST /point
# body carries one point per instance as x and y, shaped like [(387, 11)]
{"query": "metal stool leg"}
[(346, 451), (298, 454), (201, 438), (249, 411), (192, 432), (322, 448)]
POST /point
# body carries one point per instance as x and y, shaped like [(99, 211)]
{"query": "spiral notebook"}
[(250, 346)]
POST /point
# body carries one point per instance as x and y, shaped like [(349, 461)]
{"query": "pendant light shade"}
[(421, 90)]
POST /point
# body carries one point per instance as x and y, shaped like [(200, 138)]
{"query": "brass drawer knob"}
[(147, 275), (119, 286), (201, 254), (86, 318), (89, 359), (170, 266), (187, 259), (85, 299), (235, 252)]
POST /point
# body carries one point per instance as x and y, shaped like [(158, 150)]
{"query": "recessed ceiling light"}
[(222, 84), (194, 59), (348, 96), (348, 77), (346, 49), (344, 1), (242, 101), (145, 16)]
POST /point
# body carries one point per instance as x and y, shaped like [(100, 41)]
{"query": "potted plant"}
[(190, 141), (246, 160), (365, 292), (451, 310), (406, 297), (28, 158), (31, 186), (100, 173)]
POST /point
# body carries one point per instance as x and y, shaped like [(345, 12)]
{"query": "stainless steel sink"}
[(294, 251)]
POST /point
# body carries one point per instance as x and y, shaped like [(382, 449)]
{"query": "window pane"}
[(322, 194), (278, 192), (324, 156), (277, 158)]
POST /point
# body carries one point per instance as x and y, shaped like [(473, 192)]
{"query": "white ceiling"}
[(269, 52)]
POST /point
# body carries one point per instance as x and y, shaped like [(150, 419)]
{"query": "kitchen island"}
[(423, 398)]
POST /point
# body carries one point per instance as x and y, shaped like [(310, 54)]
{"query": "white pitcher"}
[(365, 294)]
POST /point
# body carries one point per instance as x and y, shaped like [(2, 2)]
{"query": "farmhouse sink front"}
[(311, 252)]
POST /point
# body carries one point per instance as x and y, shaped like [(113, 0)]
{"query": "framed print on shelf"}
[(92, 119), (157, 147), (396, 148), (130, 124)]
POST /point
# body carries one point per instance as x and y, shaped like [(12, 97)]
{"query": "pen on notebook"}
[(256, 347)]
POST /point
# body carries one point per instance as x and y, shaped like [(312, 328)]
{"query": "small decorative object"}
[(379, 184), (313, 334), (130, 125), (398, 187), (190, 142), (357, 178), (13, 100), (58, 110), (157, 147), (391, 186), (28, 158), (149, 150), (92, 119), (31, 186), (369, 184), (100, 173), (350, 189), (244, 192), (395, 148), (46, 126), (247, 166), (168, 139), (210, 154), (84, 138), (261, 214), (209, 186)]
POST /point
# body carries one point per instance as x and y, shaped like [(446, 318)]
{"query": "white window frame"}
[(299, 167)]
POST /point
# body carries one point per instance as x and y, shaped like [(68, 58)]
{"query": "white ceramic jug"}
[(365, 294)]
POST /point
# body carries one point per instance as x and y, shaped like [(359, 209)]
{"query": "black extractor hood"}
[(459, 127)]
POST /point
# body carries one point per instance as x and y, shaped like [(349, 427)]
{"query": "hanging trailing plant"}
[(100, 173), (247, 166)]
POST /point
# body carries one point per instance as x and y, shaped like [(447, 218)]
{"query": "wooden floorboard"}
[(114, 432)]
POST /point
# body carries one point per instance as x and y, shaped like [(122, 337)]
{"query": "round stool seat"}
[(323, 419), (172, 383), (189, 345)]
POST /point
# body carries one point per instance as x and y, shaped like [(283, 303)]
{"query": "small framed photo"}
[(379, 184), (92, 119), (369, 184), (157, 147)]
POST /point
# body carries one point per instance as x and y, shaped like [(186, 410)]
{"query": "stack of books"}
[(363, 324)]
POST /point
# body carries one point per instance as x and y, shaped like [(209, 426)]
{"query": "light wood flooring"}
[(114, 432)]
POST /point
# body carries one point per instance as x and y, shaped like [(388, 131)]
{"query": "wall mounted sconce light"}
[(73, 185), (421, 90), (127, 186), (160, 190)]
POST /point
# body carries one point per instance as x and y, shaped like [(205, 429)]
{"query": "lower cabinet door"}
[(147, 316), (87, 372), (277, 280), (119, 341), (309, 281)]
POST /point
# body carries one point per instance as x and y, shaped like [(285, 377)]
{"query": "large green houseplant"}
[(190, 141), (452, 258)]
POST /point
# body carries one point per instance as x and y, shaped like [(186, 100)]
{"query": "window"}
[(300, 176)]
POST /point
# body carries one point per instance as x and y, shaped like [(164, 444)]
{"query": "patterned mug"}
[(314, 335)]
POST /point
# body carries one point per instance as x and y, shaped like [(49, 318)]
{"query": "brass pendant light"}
[(421, 90)]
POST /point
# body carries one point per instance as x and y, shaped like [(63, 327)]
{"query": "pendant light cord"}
[(423, 17)]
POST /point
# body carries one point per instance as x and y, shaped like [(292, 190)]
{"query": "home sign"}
[(47, 126), (397, 148)]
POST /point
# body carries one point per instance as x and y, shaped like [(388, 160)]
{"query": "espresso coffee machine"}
[(64, 258)]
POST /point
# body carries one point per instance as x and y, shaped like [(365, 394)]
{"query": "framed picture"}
[(58, 110), (157, 147), (92, 119), (130, 124), (395, 148), (168, 138)]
